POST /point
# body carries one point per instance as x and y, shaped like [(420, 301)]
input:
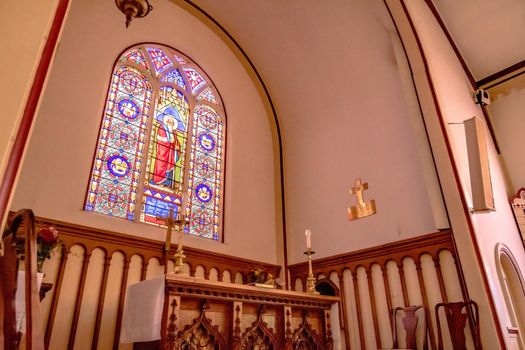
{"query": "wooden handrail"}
[(9, 267)]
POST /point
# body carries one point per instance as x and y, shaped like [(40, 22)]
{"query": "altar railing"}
[(373, 282), (92, 270)]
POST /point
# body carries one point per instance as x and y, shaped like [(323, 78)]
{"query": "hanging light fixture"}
[(133, 8)]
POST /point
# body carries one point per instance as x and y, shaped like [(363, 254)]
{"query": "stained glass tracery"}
[(118, 161), (207, 95), (155, 152), (136, 56)]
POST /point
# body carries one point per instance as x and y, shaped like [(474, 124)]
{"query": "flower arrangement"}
[(46, 240)]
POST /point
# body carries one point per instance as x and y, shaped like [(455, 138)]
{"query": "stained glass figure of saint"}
[(167, 151)]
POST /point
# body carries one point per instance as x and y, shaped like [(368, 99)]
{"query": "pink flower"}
[(48, 234)]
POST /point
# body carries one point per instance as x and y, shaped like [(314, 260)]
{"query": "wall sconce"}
[(133, 8)]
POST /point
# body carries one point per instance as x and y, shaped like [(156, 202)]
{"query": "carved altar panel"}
[(202, 334), (216, 315), (259, 335)]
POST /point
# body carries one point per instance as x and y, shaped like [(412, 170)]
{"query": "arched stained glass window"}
[(160, 145)]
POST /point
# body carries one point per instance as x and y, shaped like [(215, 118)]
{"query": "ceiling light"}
[(133, 8)]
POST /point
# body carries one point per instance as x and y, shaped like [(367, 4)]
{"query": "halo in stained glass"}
[(207, 141), (203, 193), (118, 165), (128, 108)]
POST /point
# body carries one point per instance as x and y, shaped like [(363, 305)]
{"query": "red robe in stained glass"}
[(167, 153)]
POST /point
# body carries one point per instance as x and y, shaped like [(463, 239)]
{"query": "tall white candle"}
[(308, 235)]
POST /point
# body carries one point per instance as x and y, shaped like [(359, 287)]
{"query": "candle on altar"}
[(308, 235)]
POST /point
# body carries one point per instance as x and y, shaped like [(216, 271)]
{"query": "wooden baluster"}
[(78, 302), (56, 296), (373, 306), (122, 296), (101, 297), (343, 317), (144, 270), (358, 309), (384, 272), (430, 328), (403, 282), (440, 279)]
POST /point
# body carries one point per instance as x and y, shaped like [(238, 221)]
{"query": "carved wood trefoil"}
[(259, 336), (201, 335)]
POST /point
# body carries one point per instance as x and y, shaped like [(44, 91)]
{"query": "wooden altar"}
[(203, 314)]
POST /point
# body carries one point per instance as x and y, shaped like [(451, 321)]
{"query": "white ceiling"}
[(489, 33)]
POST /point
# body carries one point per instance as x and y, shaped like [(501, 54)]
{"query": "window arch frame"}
[(194, 98)]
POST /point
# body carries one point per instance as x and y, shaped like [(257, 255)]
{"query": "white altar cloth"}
[(142, 317)]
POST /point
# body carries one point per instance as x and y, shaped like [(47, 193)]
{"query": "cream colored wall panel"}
[(448, 269), (334, 317), (394, 282), (187, 270), (366, 309), (171, 266), (200, 272), (88, 308), (414, 291), (396, 295), (431, 286), (299, 285), (135, 269), (413, 287), (68, 298), (351, 313), (214, 274), (111, 302), (155, 269), (433, 290), (238, 278), (226, 276), (51, 267), (382, 311)]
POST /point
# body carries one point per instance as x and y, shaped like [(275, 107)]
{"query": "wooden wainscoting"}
[(372, 282), (91, 272)]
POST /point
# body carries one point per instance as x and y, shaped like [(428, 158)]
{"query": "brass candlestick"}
[(179, 254), (175, 223), (310, 280)]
